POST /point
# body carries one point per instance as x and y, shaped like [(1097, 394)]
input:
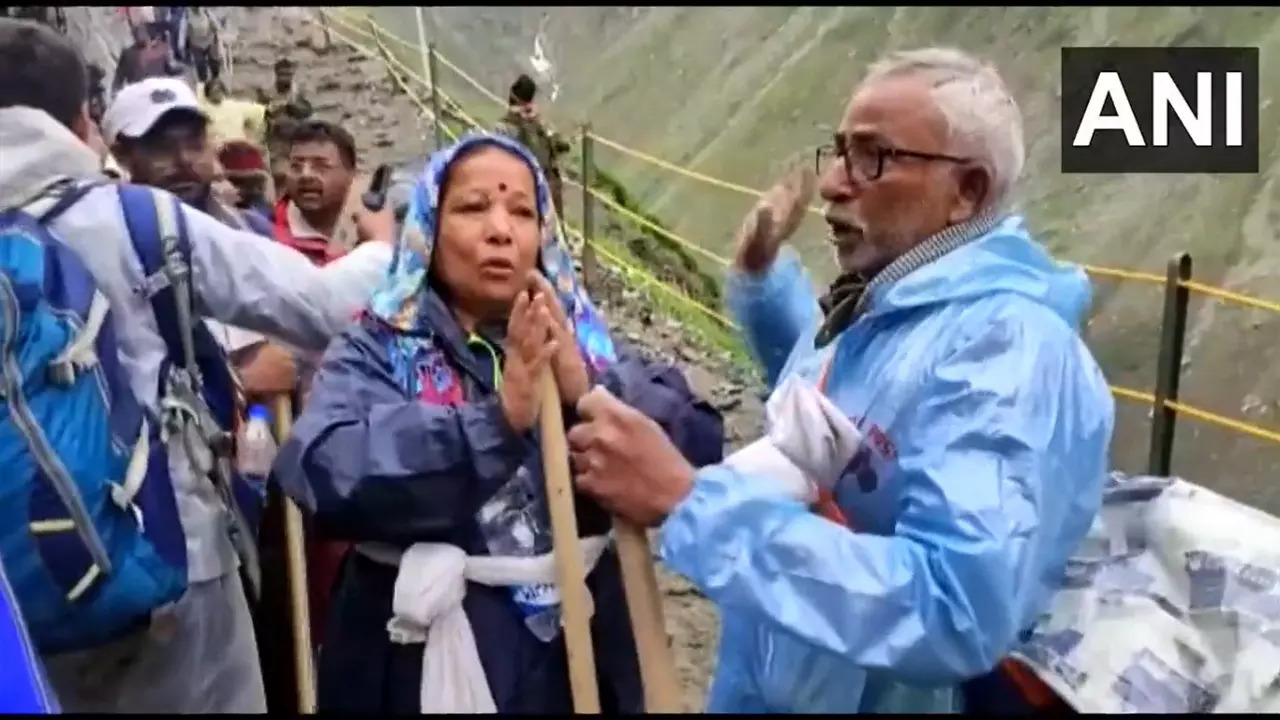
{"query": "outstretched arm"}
[(243, 281)]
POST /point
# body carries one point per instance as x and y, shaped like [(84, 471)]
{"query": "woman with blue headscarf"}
[(419, 444)]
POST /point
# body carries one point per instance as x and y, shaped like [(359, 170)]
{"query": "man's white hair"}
[(983, 119)]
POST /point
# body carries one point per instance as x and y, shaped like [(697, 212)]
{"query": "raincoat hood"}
[(1006, 259), (399, 302), (38, 150)]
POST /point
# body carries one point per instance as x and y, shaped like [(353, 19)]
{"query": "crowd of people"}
[(229, 260)]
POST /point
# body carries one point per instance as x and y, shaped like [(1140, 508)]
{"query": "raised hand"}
[(531, 344), (774, 219), (570, 369)]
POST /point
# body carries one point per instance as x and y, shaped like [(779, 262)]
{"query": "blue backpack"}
[(90, 533)]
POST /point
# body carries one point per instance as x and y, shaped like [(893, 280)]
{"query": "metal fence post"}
[(1173, 330), (434, 70), (589, 262)]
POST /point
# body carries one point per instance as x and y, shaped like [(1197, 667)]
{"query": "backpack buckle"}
[(222, 443)]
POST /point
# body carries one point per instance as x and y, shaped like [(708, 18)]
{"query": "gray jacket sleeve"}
[(245, 280)]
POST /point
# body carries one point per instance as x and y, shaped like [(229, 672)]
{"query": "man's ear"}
[(973, 190), (82, 124)]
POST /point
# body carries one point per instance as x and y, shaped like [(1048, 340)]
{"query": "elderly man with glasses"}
[(949, 351)]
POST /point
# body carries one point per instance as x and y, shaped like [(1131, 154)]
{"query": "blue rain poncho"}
[(986, 425), (403, 441)]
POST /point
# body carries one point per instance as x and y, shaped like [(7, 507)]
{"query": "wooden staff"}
[(295, 549), (571, 573), (639, 581), (644, 604)]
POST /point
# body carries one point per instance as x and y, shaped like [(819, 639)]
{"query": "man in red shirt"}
[(313, 215)]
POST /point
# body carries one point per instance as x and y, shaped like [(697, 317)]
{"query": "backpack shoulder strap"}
[(158, 231), (160, 238), (79, 352), (58, 197), (68, 197)]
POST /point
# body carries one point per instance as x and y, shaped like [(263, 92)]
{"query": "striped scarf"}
[(850, 294)]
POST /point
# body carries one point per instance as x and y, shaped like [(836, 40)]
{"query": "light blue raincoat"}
[(987, 425)]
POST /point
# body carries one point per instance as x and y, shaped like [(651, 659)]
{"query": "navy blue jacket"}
[(374, 464)]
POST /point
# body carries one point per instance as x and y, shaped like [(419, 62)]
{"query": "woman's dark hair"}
[(523, 90), (320, 131), (41, 69)]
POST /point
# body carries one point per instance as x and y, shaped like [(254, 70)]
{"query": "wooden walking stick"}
[(644, 603), (639, 581), (571, 574), (295, 549)]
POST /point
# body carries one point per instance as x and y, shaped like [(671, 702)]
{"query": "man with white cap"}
[(203, 660), (160, 132), (156, 128)]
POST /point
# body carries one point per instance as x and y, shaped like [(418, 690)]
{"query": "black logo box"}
[(1109, 150)]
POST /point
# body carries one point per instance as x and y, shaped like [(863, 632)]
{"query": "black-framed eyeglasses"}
[(864, 159)]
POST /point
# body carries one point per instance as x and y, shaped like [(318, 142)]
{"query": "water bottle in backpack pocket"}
[(90, 534)]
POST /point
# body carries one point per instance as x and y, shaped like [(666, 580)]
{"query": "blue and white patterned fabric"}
[(1170, 605)]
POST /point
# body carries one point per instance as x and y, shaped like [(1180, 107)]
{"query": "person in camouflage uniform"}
[(524, 123), (286, 108)]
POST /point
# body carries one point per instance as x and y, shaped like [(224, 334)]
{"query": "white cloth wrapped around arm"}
[(808, 443)]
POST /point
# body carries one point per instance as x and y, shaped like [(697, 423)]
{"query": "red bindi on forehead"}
[(492, 170)]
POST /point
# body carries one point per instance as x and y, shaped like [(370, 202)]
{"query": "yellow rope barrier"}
[(647, 278), (645, 222), (1097, 270), (624, 266), (1229, 296)]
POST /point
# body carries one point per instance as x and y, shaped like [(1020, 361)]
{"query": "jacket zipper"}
[(46, 460)]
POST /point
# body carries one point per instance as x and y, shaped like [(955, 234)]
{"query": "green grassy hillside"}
[(737, 93)]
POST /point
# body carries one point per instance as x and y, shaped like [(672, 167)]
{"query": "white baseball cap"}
[(139, 106)]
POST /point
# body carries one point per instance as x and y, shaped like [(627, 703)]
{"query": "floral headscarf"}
[(397, 301)]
